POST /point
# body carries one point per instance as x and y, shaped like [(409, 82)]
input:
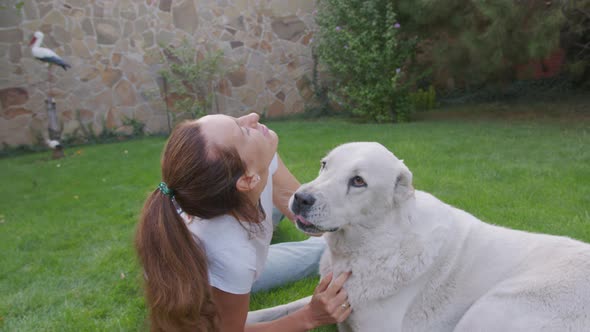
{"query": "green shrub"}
[(361, 44), (138, 126), (190, 78), (423, 100)]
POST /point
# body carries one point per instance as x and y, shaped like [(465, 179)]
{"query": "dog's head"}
[(357, 183)]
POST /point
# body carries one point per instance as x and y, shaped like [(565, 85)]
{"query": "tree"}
[(478, 42), (576, 38)]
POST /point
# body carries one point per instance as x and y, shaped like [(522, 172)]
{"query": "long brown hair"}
[(203, 178)]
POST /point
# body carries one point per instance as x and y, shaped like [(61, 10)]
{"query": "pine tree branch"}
[(584, 47), (583, 12)]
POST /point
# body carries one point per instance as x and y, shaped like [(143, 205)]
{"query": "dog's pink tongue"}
[(302, 220)]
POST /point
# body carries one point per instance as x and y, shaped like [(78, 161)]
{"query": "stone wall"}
[(113, 47)]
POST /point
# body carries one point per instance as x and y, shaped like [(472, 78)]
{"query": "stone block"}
[(266, 47), (276, 109), (85, 116), (165, 5), (30, 10), (14, 53), (148, 38), (305, 88), (10, 36), (100, 103), (255, 81), (184, 16), (113, 118), (257, 61), (55, 18), (88, 73), (273, 84), (107, 32), (13, 97), (288, 28), (248, 96), (125, 94), (70, 128), (116, 59), (80, 50), (124, 130), (224, 88), (294, 103), (9, 17), (44, 8), (111, 76), (238, 77), (282, 7), (142, 113), (156, 124), (87, 27), (129, 13), (13, 112), (15, 131)]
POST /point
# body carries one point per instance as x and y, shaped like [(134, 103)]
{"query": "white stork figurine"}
[(45, 54)]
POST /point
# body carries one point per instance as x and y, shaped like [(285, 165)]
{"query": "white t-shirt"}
[(236, 251)]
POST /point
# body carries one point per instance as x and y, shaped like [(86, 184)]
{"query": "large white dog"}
[(419, 264)]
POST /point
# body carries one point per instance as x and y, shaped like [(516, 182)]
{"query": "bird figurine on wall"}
[(44, 54)]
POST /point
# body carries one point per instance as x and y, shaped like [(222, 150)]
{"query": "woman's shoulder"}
[(222, 225), (274, 164), (219, 233)]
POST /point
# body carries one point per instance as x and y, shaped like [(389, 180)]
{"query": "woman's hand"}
[(329, 303)]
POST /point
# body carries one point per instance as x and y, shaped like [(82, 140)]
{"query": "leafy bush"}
[(361, 44), (423, 100), (191, 77), (138, 126)]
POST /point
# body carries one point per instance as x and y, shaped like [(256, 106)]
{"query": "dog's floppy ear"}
[(403, 185)]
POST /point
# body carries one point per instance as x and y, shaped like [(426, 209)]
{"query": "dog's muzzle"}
[(301, 206)]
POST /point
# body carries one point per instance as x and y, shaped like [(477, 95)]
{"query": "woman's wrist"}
[(306, 318)]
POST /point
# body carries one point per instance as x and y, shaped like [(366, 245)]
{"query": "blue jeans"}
[(290, 261)]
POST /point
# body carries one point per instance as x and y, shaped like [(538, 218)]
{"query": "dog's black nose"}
[(302, 201)]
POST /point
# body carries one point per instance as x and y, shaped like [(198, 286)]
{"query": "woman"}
[(204, 234)]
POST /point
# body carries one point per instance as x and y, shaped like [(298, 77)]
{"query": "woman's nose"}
[(251, 119)]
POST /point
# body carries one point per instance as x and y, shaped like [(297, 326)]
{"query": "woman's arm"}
[(325, 308), (284, 184)]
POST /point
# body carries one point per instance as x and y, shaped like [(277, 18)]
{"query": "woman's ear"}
[(247, 182)]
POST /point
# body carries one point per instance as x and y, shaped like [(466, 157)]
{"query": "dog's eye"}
[(357, 181)]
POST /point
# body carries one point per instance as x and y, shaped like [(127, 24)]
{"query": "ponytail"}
[(177, 288), (202, 177)]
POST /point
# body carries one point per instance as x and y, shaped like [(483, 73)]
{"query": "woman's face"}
[(255, 143)]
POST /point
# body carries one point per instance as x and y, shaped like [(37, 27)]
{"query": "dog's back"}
[(483, 278)]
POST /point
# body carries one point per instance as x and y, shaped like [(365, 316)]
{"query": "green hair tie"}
[(165, 190)]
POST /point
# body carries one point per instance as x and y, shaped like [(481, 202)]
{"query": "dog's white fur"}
[(419, 264)]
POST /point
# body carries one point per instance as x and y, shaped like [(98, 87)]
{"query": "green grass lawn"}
[(66, 226)]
